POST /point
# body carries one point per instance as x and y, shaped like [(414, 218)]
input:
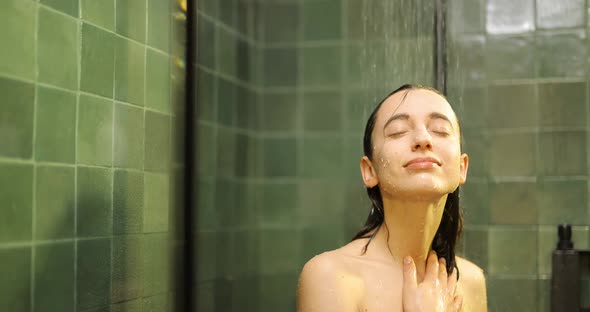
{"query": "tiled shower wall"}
[(519, 73), (89, 103), (285, 88)]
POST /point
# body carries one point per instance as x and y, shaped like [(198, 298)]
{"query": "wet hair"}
[(451, 224)]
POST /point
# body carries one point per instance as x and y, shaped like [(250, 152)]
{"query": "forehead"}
[(417, 104)]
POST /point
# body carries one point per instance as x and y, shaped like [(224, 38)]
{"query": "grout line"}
[(34, 186)]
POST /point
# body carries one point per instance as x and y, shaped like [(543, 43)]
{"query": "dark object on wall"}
[(566, 271)]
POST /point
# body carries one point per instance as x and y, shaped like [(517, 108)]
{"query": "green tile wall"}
[(87, 164), (282, 97), (528, 144)]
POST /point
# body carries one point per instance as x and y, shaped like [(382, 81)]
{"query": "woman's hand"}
[(436, 293)]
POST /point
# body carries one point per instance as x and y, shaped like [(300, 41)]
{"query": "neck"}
[(411, 226)]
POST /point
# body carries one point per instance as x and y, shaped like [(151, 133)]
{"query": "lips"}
[(423, 162)]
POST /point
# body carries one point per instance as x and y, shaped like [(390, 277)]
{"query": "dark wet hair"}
[(451, 224)]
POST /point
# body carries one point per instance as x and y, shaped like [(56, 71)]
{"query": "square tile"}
[(57, 50), (246, 60), (16, 118), (54, 202), (322, 111), (476, 246), (226, 52), (475, 202), (208, 38), (512, 250), (157, 264), (279, 112), (69, 7), (131, 17), (270, 290), (512, 294), (101, 13), (321, 203), (513, 203), (157, 142), (16, 192), (562, 153), (319, 25), (15, 290), (467, 16), (130, 71), (206, 96), (94, 273), (563, 202), (17, 21), (469, 53), (276, 257), (207, 156), (521, 164), (94, 203), (273, 193), (159, 24), (280, 67), (512, 106), (476, 107), (321, 66), (280, 21), (279, 157), (249, 109), (247, 156), (226, 102), (322, 157), (54, 277), (95, 131), (505, 17), (98, 58), (56, 125), (561, 54), (567, 14), (157, 203), (517, 49), (129, 134), (128, 201), (127, 268), (476, 144), (225, 202), (562, 104), (157, 81)]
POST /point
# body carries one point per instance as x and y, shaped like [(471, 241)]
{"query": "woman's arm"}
[(324, 288)]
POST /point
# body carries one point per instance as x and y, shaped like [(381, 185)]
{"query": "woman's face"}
[(416, 146)]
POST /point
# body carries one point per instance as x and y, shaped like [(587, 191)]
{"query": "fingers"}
[(431, 267), (410, 279), (442, 271), (458, 303), (452, 282)]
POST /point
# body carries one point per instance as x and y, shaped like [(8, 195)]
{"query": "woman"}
[(404, 257)]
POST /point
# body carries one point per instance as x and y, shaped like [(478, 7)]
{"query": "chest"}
[(381, 292)]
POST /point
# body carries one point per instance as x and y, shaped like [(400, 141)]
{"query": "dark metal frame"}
[(190, 197)]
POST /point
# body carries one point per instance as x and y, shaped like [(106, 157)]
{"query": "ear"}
[(463, 166), (368, 172)]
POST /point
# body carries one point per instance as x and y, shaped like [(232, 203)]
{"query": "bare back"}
[(344, 280)]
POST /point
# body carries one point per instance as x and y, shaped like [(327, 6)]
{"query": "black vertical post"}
[(190, 155), (440, 46)]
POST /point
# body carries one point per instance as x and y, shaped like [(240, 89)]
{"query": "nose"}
[(422, 140)]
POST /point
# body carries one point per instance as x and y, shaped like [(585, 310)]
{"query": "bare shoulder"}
[(473, 286), (326, 284)]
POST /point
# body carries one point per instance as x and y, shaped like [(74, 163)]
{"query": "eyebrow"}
[(403, 116)]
